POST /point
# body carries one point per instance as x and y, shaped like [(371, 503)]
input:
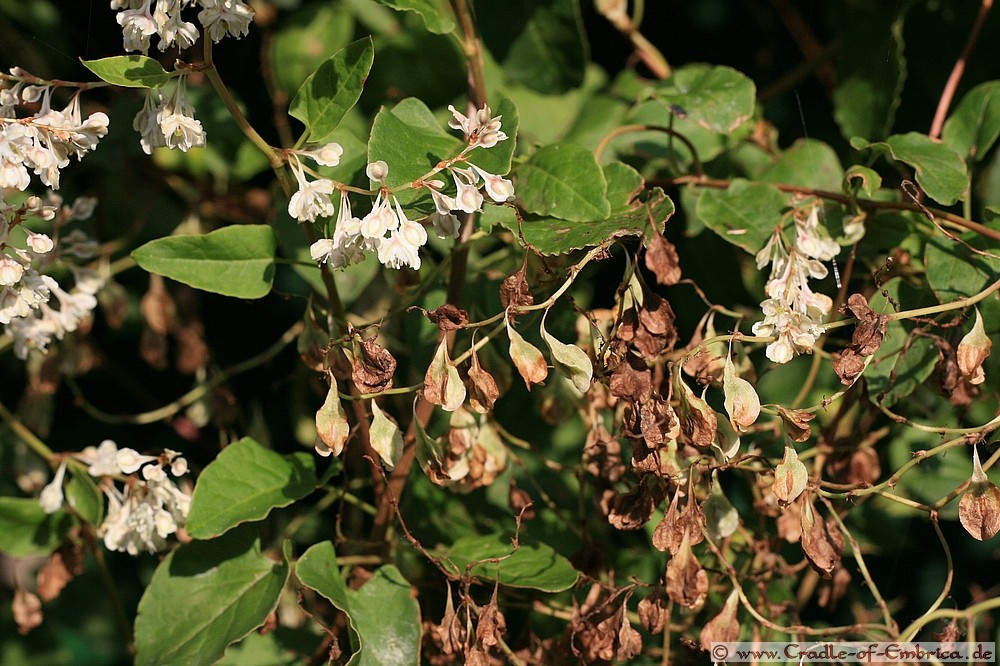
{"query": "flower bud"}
[(377, 170)]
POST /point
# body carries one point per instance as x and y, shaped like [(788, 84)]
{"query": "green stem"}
[(24, 434)]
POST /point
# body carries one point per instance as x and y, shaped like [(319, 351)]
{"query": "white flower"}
[(481, 129), (176, 120), (468, 199), (396, 252), (146, 123), (442, 202), (130, 460), (377, 170), (499, 189), (380, 220), (11, 270), (138, 26), (51, 497), (312, 199), (102, 459), (326, 155), (40, 243), (180, 131), (225, 17)]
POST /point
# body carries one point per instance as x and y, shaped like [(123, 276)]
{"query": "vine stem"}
[(968, 614), (862, 567), (867, 205), (194, 394), (476, 77), (948, 94), (25, 434)]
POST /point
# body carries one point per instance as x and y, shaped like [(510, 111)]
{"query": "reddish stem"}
[(956, 72)]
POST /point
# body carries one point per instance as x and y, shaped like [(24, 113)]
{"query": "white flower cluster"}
[(168, 120), (43, 144), (141, 19), (385, 229), (793, 312), (45, 141), (148, 507)]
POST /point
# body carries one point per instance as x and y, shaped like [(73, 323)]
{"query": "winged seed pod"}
[(332, 428), (442, 384), (385, 437), (483, 390), (790, 477), (529, 361), (973, 350), (979, 508), (724, 627), (697, 418), (569, 359), (742, 403)]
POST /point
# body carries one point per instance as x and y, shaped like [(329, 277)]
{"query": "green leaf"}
[(866, 180), (939, 170), (411, 141), (532, 565), (745, 214), (539, 43), (955, 272), (706, 143), (809, 163), (871, 70), (624, 184), (333, 89), (974, 126), (26, 530), (130, 71), (551, 236), (308, 36), (569, 359), (244, 483), (383, 614), (233, 261), (434, 19), (204, 596), (717, 98), (563, 181), (86, 499), (900, 368)]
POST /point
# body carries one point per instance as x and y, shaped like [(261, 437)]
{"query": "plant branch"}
[(956, 72)]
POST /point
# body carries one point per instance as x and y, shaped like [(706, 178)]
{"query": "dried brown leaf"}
[(449, 317), (796, 422), (822, 542), (514, 290), (724, 627), (653, 611), (372, 367), (59, 569), (848, 365), (687, 582), (27, 608), (662, 260), (483, 390)]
